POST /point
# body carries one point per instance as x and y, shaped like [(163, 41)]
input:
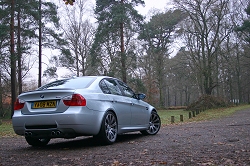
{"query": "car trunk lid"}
[(45, 101)]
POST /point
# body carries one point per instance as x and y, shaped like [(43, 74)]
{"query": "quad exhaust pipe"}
[(28, 133), (53, 133)]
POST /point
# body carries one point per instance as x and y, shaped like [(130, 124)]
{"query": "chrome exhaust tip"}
[(53, 133), (28, 133), (58, 133)]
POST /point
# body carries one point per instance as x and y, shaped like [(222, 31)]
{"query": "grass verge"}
[(202, 116), (6, 129)]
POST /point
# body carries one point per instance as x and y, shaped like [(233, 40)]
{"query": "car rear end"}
[(55, 113)]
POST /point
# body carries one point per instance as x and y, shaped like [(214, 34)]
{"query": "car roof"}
[(59, 82)]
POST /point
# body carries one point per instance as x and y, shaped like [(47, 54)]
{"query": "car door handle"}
[(132, 104)]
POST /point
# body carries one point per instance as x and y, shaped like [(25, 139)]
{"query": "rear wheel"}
[(154, 124), (37, 141), (108, 131)]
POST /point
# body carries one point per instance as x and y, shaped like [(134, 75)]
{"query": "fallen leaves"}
[(145, 151), (71, 2), (219, 143), (115, 163)]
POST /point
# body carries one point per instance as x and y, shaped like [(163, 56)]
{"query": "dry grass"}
[(6, 129), (205, 115)]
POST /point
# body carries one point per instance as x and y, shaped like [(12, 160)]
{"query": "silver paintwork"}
[(67, 122)]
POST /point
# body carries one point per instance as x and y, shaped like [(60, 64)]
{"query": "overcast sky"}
[(150, 4)]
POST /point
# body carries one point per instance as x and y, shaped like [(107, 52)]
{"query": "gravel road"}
[(224, 142)]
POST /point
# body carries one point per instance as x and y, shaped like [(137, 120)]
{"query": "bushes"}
[(207, 102), (5, 111)]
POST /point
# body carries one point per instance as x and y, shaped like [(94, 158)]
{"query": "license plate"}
[(44, 104)]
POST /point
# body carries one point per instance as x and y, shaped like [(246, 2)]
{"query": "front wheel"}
[(108, 131), (154, 124)]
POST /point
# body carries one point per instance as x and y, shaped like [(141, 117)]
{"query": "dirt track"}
[(219, 142)]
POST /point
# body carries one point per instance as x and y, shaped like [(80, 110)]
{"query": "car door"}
[(139, 110), (121, 104)]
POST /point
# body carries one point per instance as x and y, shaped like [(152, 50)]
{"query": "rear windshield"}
[(71, 83)]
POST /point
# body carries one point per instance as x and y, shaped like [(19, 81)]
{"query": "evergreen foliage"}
[(158, 35), (26, 23), (245, 28), (116, 20)]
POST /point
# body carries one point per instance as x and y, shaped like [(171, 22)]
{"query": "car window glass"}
[(104, 87), (73, 83), (126, 89), (113, 87)]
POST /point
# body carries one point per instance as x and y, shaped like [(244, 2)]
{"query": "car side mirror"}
[(141, 96)]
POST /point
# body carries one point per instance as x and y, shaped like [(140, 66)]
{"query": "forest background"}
[(111, 38)]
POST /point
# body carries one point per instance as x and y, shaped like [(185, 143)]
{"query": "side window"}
[(112, 86), (126, 89), (104, 87)]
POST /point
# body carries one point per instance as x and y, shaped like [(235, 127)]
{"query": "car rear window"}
[(72, 83)]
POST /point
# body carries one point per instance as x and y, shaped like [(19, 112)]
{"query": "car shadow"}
[(86, 142)]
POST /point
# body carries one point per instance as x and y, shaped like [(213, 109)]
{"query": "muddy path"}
[(224, 141)]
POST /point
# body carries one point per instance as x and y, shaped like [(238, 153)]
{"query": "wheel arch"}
[(108, 110), (112, 134), (154, 110), (111, 110)]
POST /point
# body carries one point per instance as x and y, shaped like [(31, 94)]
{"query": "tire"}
[(154, 124), (108, 132), (37, 141)]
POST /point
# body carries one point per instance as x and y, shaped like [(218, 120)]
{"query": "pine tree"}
[(245, 28), (115, 18), (157, 35)]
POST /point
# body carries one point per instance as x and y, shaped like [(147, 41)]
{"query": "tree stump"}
[(181, 118)]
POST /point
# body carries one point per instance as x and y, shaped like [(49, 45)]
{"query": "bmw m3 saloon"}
[(98, 106)]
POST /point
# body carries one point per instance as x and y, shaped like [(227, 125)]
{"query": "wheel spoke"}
[(113, 125), (154, 123), (154, 118), (152, 129), (110, 127)]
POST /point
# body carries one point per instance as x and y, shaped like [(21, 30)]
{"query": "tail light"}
[(74, 100), (19, 104)]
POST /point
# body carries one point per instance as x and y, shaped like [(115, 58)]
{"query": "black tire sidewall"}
[(102, 134), (146, 132)]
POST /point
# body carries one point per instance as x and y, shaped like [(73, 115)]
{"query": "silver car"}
[(100, 106)]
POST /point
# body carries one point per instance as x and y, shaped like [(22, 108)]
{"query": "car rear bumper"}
[(69, 124)]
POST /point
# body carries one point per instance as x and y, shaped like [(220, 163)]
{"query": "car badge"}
[(42, 96)]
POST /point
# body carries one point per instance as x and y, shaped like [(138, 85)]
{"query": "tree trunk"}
[(12, 58), (1, 96), (238, 76), (19, 53), (123, 55), (40, 45)]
